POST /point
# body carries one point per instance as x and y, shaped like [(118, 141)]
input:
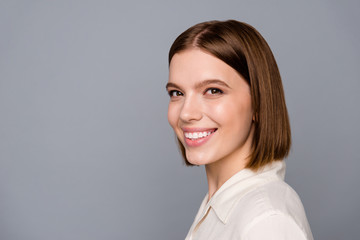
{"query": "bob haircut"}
[(243, 48)]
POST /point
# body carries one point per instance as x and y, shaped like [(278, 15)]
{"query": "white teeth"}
[(197, 135)]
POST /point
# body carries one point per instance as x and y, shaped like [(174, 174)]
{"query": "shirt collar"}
[(223, 201)]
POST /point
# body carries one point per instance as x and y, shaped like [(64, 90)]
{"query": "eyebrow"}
[(211, 81), (168, 85), (201, 84)]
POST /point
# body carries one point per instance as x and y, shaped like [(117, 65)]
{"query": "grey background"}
[(85, 148)]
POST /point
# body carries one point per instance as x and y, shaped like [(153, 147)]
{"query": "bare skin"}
[(210, 111)]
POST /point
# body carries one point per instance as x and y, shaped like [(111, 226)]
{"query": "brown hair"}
[(243, 48)]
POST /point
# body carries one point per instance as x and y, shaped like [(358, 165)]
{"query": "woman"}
[(228, 111)]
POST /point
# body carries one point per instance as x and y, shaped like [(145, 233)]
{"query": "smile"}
[(197, 137)]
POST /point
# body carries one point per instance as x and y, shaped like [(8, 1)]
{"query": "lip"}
[(200, 141)]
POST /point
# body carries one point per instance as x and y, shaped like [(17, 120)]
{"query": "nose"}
[(191, 110)]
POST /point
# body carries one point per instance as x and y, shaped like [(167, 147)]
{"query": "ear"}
[(255, 117)]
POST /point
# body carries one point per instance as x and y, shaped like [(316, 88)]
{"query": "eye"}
[(175, 93), (213, 91)]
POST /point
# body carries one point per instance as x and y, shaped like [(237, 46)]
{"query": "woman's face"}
[(210, 107)]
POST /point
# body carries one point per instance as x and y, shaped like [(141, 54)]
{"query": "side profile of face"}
[(210, 108)]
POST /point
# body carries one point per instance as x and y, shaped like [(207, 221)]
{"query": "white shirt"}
[(252, 206)]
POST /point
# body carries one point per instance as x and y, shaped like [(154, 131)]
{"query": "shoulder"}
[(273, 207), (276, 226)]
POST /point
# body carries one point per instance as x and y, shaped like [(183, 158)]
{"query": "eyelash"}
[(217, 91), (171, 93), (213, 91)]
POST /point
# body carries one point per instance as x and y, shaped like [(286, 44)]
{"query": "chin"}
[(198, 159)]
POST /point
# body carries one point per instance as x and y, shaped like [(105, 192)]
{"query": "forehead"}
[(194, 65)]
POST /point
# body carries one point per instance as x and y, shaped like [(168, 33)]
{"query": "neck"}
[(220, 171)]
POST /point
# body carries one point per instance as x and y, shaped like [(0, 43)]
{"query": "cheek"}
[(222, 112), (173, 115), (243, 119), (219, 109), (232, 114)]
